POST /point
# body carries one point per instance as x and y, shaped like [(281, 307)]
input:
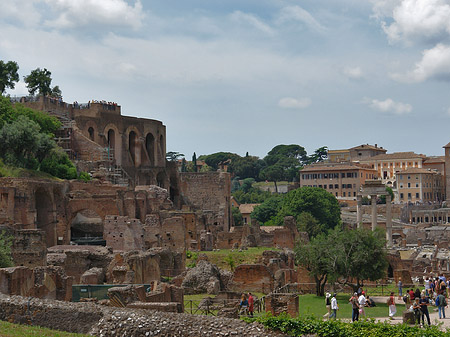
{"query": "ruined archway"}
[(132, 145), (174, 191), (44, 215), (150, 147), (161, 179), (86, 228), (161, 149), (91, 133), (111, 143)]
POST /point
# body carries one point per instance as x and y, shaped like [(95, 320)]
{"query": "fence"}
[(211, 306), (99, 292)]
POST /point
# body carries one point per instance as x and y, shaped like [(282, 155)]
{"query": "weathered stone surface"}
[(93, 276), (408, 317), (282, 303), (197, 278), (252, 277)]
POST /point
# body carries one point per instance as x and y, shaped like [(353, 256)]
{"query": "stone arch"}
[(134, 145), (150, 147), (45, 219), (91, 131), (174, 191), (390, 271), (113, 142), (86, 228)]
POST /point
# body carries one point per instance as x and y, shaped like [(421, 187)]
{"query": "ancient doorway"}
[(390, 272), (111, 144), (150, 147), (44, 216), (91, 133), (174, 190), (161, 180), (132, 145), (161, 149), (86, 228)]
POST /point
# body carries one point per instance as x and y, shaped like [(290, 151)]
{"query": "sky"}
[(245, 76)]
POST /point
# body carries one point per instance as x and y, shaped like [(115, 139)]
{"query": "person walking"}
[(362, 304), (327, 305), (355, 307), (442, 303), (424, 303), (244, 305), (392, 308), (251, 303), (334, 307), (400, 288), (416, 310)]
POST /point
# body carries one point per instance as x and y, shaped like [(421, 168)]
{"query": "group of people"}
[(246, 304), (358, 301)]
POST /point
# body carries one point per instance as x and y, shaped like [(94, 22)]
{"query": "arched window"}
[(150, 147), (112, 143), (132, 145), (91, 133), (161, 148)]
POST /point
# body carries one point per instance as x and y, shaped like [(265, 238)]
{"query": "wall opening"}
[(112, 144), (91, 133), (161, 149), (160, 179), (132, 145), (44, 216), (150, 147), (86, 228)]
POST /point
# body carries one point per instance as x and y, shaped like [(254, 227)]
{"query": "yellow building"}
[(420, 185)]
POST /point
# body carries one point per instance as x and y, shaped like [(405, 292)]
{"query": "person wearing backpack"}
[(327, 305), (442, 303)]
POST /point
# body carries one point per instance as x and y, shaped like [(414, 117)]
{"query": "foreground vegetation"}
[(309, 326), (16, 330)]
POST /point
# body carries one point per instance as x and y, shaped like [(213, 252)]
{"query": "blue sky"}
[(247, 75)]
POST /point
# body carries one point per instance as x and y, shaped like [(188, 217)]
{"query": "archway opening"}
[(86, 228), (161, 149), (132, 145), (112, 143), (390, 272), (91, 133), (161, 179), (44, 216), (150, 147)]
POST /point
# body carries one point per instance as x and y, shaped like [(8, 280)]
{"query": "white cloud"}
[(76, 13), (296, 13), (251, 20), (389, 106), (20, 11), (294, 103), (415, 20), (354, 73), (435, 63)]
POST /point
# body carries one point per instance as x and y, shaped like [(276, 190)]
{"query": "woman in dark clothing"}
[(424, 303), (417, 293)]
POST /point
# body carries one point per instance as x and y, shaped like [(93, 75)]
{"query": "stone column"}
[(359, 210), (374, 211), (389, 220)]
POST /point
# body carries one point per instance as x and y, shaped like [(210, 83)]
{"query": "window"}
[(354, 194), (343, 185), (320, 186), (349, 185), (417, 184), (401, 177), (330, 186), (409, 185), (409, 196), (343, 194), (336, 186), (401, 195), (417, 195), (349, 175), (409, 177), (401, 185), (342, 175)]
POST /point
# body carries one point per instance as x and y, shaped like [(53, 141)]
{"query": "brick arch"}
[(134, 146), (150, 147), (90, 130), (44, 204), (115, 143)]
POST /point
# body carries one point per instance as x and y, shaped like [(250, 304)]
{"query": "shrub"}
[(84, 176), (59, 165), (5, 250)]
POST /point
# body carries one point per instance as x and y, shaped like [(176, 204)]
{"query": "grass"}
[(226, 258), (314, 305), (16, 330), (17, 172)]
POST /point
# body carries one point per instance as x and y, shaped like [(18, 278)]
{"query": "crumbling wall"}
[(252, 277)]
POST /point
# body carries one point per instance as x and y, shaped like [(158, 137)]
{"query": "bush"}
[(84, 176), (5, 250), (310, 326), (59, 165)]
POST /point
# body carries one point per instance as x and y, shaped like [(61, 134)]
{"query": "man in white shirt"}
[(362, 304), (334, 307)]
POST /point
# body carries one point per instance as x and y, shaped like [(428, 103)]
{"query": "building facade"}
[(418, 185)]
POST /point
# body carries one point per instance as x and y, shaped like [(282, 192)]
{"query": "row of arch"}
[(154, 148)]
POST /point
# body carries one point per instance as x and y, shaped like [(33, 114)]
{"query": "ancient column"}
[(374, 211), (359, 210), (389, 220)]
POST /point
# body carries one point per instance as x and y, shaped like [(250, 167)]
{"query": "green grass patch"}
[(16, 330), (228, 259), (17, 172), (312, 305)]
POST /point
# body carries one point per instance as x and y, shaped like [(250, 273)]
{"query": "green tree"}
[(321, 204), (56, 92), (319, 155), (173, 156), (39, 80), (58, 164), (267, 211), (237, 216), (5, 250), (306, 222), (246, 167), (383, 197), (8, 75), (214, 159), (22, 144), (272, 173), (194, 162)]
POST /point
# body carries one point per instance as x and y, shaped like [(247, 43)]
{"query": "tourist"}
[(392, 308), (370, 302), (416, 310), (441, 304), (417, 293), (424, 303), (244, 305), (334, 307), (427, 287), (400, 288), (251, 303), (327, 305), (411, 295), (355, 307), (362, 303)]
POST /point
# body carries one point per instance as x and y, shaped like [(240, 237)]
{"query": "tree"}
[(8, 75), (56, 92), (383, 197), (40, 81), (173, 156), (214, 159), (283, 162), (344, 256), (266, 212), (319, 155), (306, 222), (272, 173), (194, 162), (5, 250), (183, 165), (321, 204), (237, 216)]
